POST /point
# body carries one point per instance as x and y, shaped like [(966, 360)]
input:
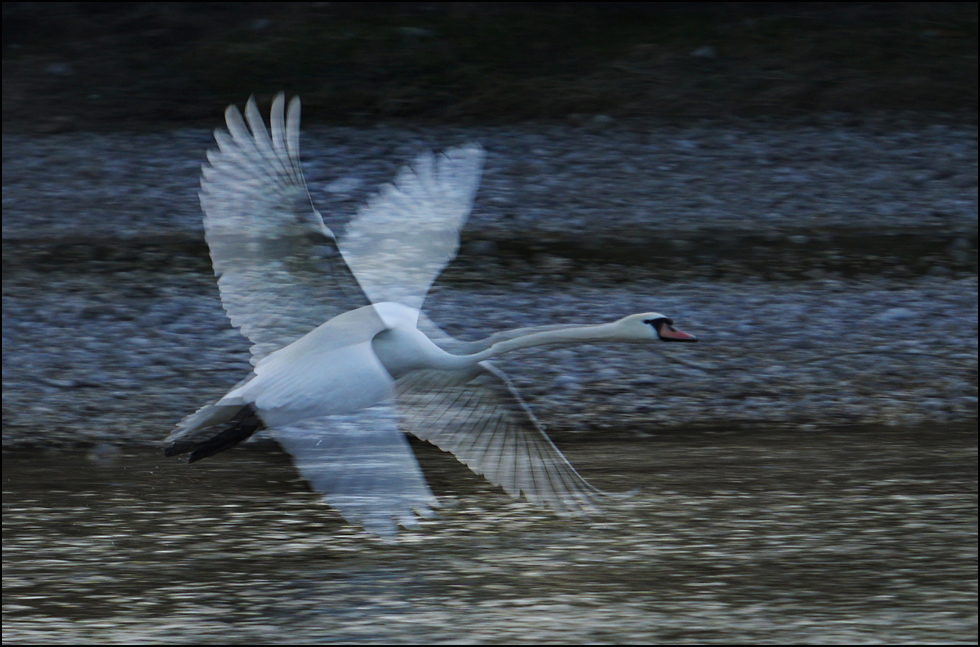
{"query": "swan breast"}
[(402, 350)]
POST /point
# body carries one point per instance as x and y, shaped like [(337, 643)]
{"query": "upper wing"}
[(481, 419), (405, 235), (364, 467), (279, 270)]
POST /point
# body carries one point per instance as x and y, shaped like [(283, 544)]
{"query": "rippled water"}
[(761, 536)]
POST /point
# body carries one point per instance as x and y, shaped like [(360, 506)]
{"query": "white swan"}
[(343, 358)]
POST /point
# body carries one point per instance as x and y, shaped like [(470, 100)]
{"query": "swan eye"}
[(657, 322)]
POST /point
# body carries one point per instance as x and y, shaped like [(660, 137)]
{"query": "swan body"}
[(344, 359)]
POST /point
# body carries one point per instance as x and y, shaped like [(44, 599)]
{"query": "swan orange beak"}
[(667, 332)]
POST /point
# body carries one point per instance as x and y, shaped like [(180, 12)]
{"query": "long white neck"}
[(547, 335), (402, 350)]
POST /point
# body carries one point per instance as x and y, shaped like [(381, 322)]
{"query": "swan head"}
[(651, 326)]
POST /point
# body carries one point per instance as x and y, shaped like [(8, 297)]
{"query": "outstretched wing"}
[(279, 270), (364, 467), (405, 235), (481, 419)]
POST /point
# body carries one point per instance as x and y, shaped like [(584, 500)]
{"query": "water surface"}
[(739, 536)]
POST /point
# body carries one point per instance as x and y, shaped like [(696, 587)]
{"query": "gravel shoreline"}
[(829, 267), (612, 179)]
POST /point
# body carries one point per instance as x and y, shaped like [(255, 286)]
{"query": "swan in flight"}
[(343, 358)]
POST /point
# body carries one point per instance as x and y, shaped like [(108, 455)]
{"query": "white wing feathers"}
[(482, 420), (406, 234), (363, 466), (485, 424), (279, 270)]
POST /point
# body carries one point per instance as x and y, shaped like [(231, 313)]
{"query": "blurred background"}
[(795, 183), (98, 64)]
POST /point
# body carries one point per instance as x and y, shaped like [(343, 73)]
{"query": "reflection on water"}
[(741, 536)]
